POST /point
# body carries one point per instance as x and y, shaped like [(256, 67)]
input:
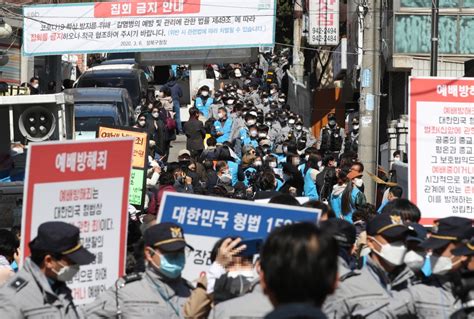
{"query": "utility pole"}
[(370, 95), (298, 57), (434, 37)]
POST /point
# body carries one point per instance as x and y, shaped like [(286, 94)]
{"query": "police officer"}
[(433, 298), (369, 292), (351, 142), (39, 289), (331, 137), (159, 292)]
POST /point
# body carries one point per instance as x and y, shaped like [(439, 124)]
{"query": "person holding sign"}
[(39, 289), (159, 292)]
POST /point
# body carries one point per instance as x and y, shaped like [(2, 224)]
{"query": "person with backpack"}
[(331, 137)]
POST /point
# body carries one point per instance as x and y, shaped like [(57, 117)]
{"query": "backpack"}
[(170, 124)]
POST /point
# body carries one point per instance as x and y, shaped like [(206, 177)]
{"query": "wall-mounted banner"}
[(441, 158), (147, 25)]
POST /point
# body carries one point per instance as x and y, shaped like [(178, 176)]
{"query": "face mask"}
[(253, 133), (306, 158), (396, 158), (356, 127), (299, 127), (257, 163), (262, 135), (332, 123), (155, 114), (221, 115), (281, 100), (226, 179), (229, 102), (392, 253), (268, 123), (36, 85), (171, 265), (273, 91), (141, 123), (66, 273), (265, 100), (291, 122), (251, 122), (358, 182), (204, 93), (441, 265), (414, 260), (272, 164)]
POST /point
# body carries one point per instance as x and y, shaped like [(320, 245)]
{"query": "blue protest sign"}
[(221, 217)]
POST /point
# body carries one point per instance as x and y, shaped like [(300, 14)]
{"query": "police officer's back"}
[(159, 292), (331, 137), (369, 292), (39, 289)]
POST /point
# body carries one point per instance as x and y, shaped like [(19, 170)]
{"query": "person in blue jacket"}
[(345, 198), (223, 126), (310, 173), (203, 101)]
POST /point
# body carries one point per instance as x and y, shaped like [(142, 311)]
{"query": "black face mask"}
[(230, 287)]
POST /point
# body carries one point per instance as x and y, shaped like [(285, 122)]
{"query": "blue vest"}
[(336, 205), (226, 129), (204, 108), (310, 186), (233, 169)]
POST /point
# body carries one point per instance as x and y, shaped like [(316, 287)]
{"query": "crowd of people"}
[(359, 260)]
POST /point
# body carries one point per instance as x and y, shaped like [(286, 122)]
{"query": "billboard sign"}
[(147, 25), (441, 159), (323, 22)]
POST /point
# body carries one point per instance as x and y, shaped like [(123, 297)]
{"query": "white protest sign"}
[(84, 184)]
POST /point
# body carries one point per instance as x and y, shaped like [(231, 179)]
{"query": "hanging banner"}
[(323, 22), (147, 25), (84, 184), (441, 159)]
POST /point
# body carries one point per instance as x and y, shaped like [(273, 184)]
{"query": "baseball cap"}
[(416, 232), (446, 230), (167, 237), (184, 152), (342, 231), (466, 249), (387, 225), (62, 238)]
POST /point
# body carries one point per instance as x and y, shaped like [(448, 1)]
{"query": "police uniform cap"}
[(466, 249), (167, 237), (342, 231), (416, 232), (446, 230), (387, 225), (64, 239)]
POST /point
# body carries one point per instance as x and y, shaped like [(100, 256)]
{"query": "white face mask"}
[(272, 164), (257, 163), (251, 122), (358, 182), (414, 260), (36, 85), (441, 265), (204, 93), (141, 123), (273, 91), (396, 158), (66, 273), (268, 123), (355, 127), (306, 157), (281, 100), (229, 102), (253, 133), (226, 179), (299, 127), (291, 122), (392, 253), (155, 114), (262, 135)]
